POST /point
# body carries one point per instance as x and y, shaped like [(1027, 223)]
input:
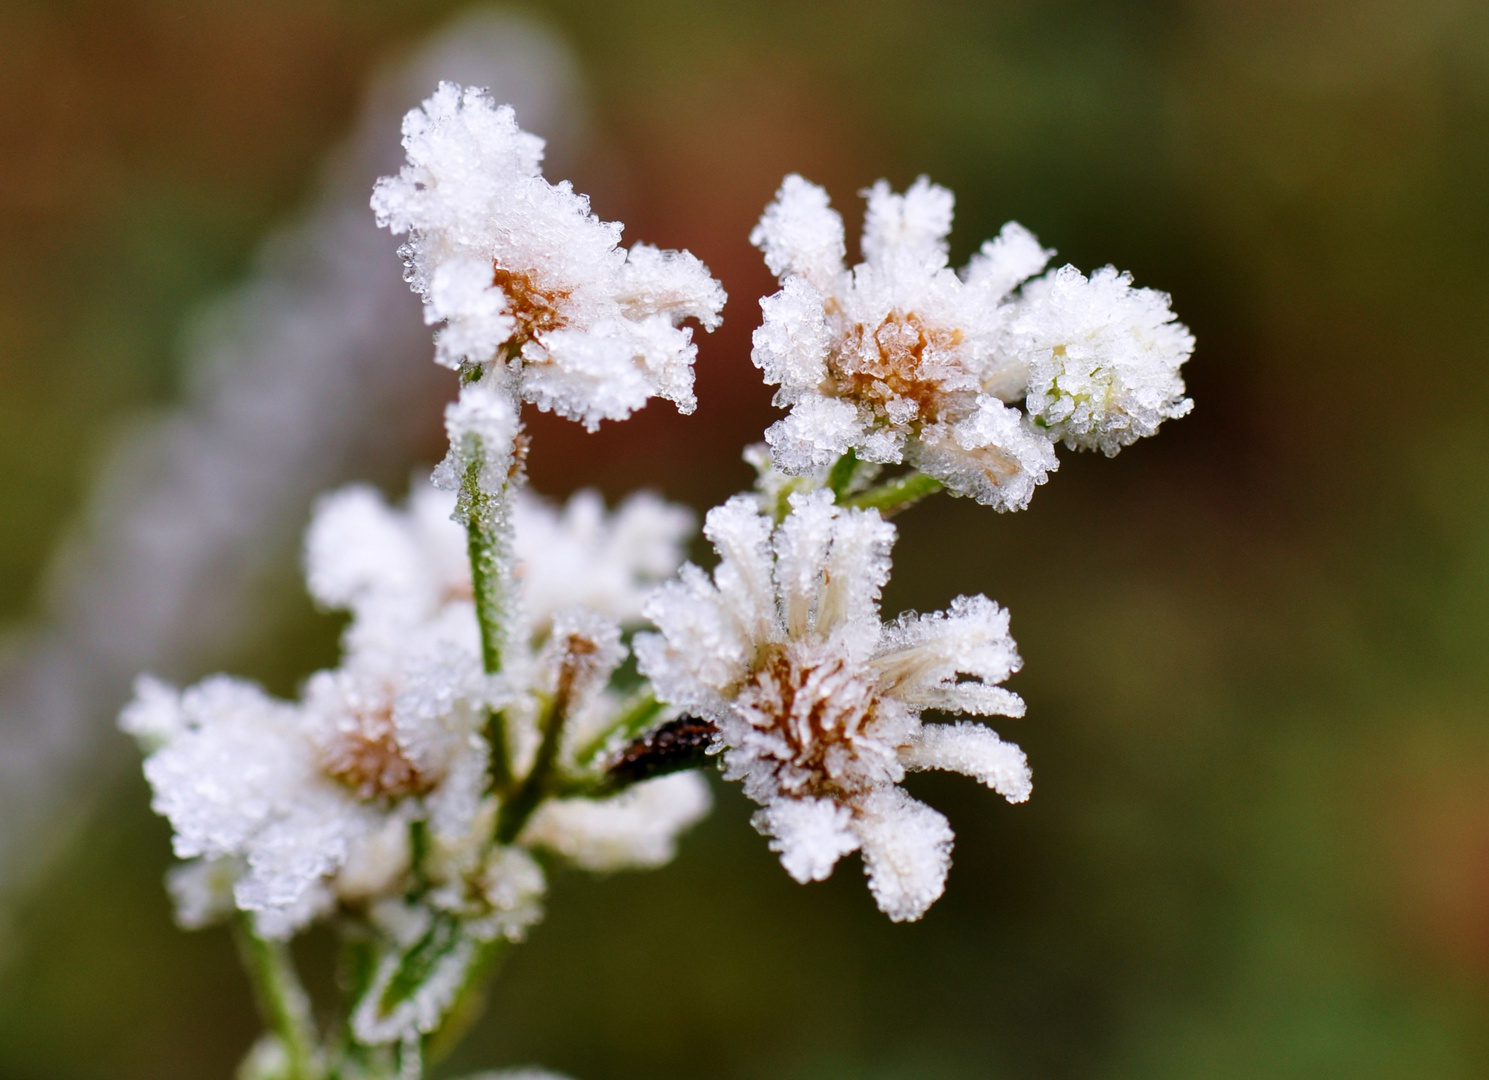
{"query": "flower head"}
[(897, 359), (1103, 358), (397, 568), (294, 806), (311, 802), (520, 269), (903, 359), (818, 703)]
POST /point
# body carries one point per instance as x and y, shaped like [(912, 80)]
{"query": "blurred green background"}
[(1259, 842)]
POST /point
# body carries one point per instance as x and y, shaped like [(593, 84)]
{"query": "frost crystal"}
[(519, 270), (901, 359), (818, 703)]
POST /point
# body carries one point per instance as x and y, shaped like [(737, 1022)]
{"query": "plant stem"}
[(840, 476), (281, 998), (633, 718), (486, 545), (577, 653), (516, 810), (488, 548), (898, 494)]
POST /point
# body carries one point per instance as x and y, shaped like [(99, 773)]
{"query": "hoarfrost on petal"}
[(972, 750), (911, 227), (810, 835), (993, 455), (801, 233), (1006, 261), (906, 852)]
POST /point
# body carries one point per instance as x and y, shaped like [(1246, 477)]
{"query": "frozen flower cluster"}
[(486, 722), (522, 273), (903, 359), (377, 783)]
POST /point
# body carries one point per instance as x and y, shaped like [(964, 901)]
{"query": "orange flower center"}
[(875, 366), (537, 310), (820, 705), (366, 757)]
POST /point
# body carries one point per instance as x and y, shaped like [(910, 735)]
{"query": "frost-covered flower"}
[(393, 569), (818, 703), (581, 576), (902, 359), (607, 562), (897, 359), (1103, 358), (309, 802), (519, 269)]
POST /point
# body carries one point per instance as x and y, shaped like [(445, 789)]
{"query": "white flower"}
[(581, 574), (520, 269), (312, 801), (391, 569), (238, 779), (898, 359), (606, 562), (398, 568), (202, 890), (819, 704), (1103, 358)]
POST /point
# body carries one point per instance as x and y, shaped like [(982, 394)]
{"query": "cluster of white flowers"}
[(519, 269), (380, 774), (483, 720), (902, 359)]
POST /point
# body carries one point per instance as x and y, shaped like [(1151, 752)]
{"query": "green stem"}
[(488, 548), (840, 476), (635, 716), (898, 494), (517, 809), (281, 998), (486, 544)]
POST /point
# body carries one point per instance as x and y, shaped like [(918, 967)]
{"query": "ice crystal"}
[(520, 271), (818, 703)]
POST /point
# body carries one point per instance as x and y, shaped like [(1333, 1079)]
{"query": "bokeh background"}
[(1255, 646)]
